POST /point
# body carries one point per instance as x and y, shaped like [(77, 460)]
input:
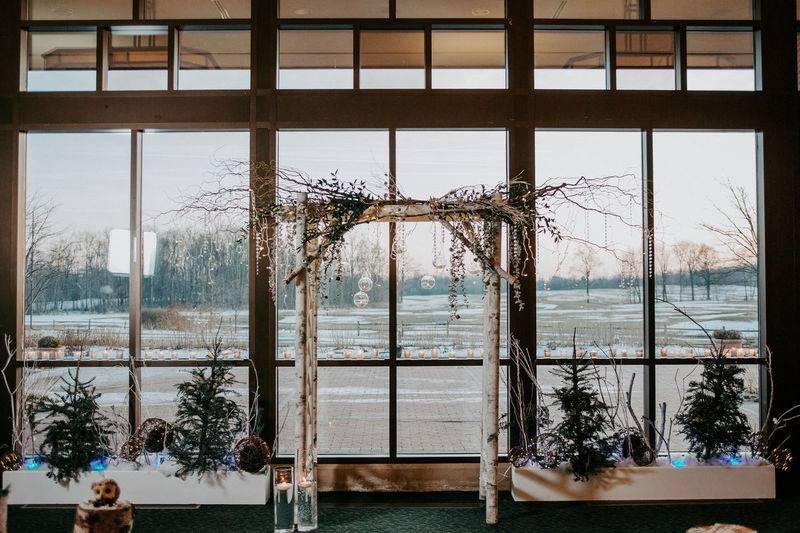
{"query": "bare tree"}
[(629, 264), (40, 231), (686, 252), (663, 260), (706, 260), (738, 229), (586, 262)]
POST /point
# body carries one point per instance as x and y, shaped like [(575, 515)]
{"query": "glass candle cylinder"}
[(283, 498), (306, 505)]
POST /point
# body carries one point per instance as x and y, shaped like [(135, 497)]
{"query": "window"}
[(78, 9), (452, 9), (316, 59), (586, 9), (569, 59), (392, 60), (191, 9), (720, 60), (214, 60), (197, 284), (334, 9), (469, 59), (702, 9), (646, 60), (591, 280), (706, 243), (62, 61), (77, 258), (138, 60)]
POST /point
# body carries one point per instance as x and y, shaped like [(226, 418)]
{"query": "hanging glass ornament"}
[(365, 284), (427, 282), (360, 299)]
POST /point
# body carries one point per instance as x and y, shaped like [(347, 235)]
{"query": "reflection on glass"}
[(353, 411), (719, 60), (316, 59), (78, 9), (706, 259), (78, 187), (702, 9), (567, 59), (138, 60), (392, 60), (591, 280), (586, 9), (645, 60), (197, 285), (453, 9), (370, 9), (214, 60), (672, 383), (470, 59), (62, 61), (439, 410), (192, 9)]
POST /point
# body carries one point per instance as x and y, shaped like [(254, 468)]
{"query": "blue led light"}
[(33, 462), (99, 464), (734, 461), (679, 463)]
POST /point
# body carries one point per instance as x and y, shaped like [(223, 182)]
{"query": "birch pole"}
[(301, 357), (491, 372), (313, 303)]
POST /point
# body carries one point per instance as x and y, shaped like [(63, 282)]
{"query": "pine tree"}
[(583, 430), (711, 419), (208, 420), (78, 432)]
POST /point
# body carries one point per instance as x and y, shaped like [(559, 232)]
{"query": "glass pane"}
[(702, 9), (565, 59), (214, 60), (138, 60), (192, 9), (720, 60), (160, 390), (706, 240), (316, 59), (79, 9), (353, 411), (672, 382), (392, 60), (586, 9), (371, 9), (197, 283), (645, 60), (473, 59), (345, 331), (61, 61), (453, 9), (591, 280), (77, 245), (439, 410)]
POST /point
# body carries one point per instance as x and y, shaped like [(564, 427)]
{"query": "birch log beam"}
[(301, 427), (491, 373), (313, 303)]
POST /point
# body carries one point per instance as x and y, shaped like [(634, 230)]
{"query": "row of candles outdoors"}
[(294, 503), (117, 354), (738, 353)]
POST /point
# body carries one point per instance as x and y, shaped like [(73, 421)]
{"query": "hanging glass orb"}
[(360, 299), (427, 282), (364, 284), (438, 263)]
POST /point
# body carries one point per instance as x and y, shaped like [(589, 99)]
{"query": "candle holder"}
[(306, 505), (283, 498)]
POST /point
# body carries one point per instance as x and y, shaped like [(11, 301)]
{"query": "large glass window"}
[(469, 59), (591, 280), (451, 9), (569, 59), (316, 59), (214, 60), (720, 60), (138, 59), (78, 9), (392, 60), (191, 9), (586, 9), (292, 9), (706, 243), (77, 256), (702, 9), (62, 61), (646, 60)]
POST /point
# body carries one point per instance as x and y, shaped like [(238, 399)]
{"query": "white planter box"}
[(142, 487), (652, 483)]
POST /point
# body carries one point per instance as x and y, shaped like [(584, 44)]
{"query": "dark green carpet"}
[(343, 513)]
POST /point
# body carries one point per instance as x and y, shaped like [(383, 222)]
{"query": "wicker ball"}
[(548, 451), (156, 435), (252, 454), (9, 460), (518, 456), (132, 448), (782, 459), (759, 445)]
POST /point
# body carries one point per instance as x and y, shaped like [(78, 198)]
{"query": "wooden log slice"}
[(117, 518)]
